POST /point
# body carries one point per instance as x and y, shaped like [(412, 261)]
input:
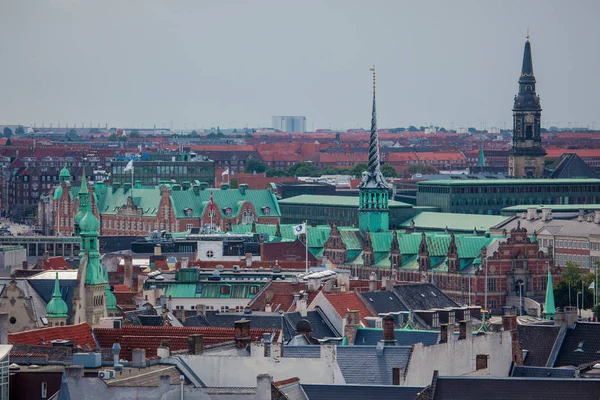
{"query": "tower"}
[(395, 252), (453, 264), (56, 309), (90, 297), (424, 259), (373, 213), (527, 155), (83, 203)]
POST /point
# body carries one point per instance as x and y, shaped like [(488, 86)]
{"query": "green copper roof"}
[(64, 173), (553, 207), (549, 307), (111, 300), (495, 182), (58, 193), (56, 308), (481, 160), (454, 221), (89, 222), (334, 201)]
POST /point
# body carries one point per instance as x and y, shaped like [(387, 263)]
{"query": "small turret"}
[(56, 310)]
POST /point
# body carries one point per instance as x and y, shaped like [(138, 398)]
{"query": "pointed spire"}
[(84, 188), (56, 307), (481, 160), (56, 292), (373, 178), (527, 77), (549, 307)]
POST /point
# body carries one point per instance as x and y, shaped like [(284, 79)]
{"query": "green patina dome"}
[(64, 173), (78, 217), (56, 308), (111, 300), (89, 222)]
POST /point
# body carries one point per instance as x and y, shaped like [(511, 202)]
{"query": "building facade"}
[(490, 196), (289, 123), (527, 156), (157, 168)]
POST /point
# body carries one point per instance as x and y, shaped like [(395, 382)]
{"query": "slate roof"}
[(404, 337), (362, 365), (570, 165), (538, 340), (581, 345), (80, 334), (321, 327), (383, 302), (422, 296), (449, 388), (540, 372), (359, 392), (227, 320)]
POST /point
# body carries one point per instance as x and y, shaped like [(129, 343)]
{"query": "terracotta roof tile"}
[(349, 301), (80, 334)]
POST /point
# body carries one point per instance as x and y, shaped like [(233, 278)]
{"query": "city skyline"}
[(129, 65)]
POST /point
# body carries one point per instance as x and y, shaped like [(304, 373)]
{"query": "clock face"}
[(529, 118)]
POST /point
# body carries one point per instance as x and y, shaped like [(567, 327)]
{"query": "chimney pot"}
[(444, 329), (388, 329), (242, 333)]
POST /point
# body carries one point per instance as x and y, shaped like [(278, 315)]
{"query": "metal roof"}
[(454, 222), (334, 201), (496, 182)]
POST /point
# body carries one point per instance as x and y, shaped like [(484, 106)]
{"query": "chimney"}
[(389, 284), (169, 303), (276, 350), (25, 265), (444, 328), (301, 307), (372, 282), (163, 352), (464, 330), (128, 273), (597, 216), (195, 344), (389, 337), (509, 324), (74, 371), (314, 284), (343, 281), (185, 262), (116, 349), (531, 213), (384, 280), (46, 256), (263, 387), (351, 324), (201, 309), (157, 250), (546, 214), (242, 333), (138, 358), (165, 381)]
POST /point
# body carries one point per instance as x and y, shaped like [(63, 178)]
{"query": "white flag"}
[(592, 285), (129, 166), (226, 172), (299, 229)]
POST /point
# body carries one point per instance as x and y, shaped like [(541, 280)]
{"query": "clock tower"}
[(527, 155)]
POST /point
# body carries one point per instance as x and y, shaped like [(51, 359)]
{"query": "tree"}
[(272, 173), (9, 142), (388, 171), (570, 284), (442, 129), (421, 169), (472, 130), (413, 128), (255, 166), (19, 130), (358, 170), (303, 169), (548, 161), (7, 132), (134, 134), (113, 137)]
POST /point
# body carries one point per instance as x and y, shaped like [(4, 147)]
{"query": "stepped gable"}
[(80, 334), (150, 337)]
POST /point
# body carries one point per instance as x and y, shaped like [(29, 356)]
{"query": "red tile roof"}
[(150, 337), (55, 263), (80, 334), (279, 294), (349, 301)]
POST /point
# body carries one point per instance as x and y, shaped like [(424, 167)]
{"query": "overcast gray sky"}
[(236, 63)]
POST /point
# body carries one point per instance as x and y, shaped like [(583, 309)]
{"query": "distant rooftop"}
[(334, 201), (454, 222), (487, 182)]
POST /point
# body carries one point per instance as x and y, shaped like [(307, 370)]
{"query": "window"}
[(188, 226), (225, 290), (435, 320), (44, 390), (491, 284)]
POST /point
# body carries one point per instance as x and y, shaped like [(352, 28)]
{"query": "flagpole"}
[(306, 238)]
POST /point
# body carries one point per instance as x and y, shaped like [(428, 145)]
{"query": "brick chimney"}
[(372, 282), (464, 330), (444, 328), (389, 337), (242, 333), (509, 323), (195, 344), (351, 325)]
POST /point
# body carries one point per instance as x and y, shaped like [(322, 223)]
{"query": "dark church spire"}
[(527, 79)]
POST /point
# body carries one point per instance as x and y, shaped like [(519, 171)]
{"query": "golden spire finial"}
[(527, 34), (373, 71)]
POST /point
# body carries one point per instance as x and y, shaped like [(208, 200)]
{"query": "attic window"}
[(188, 212), (579, 348), (266, 210), (227, 211)]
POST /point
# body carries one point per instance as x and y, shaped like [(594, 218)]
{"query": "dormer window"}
[(579, 348), (188, 212), (266, 210), (227, 211)]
